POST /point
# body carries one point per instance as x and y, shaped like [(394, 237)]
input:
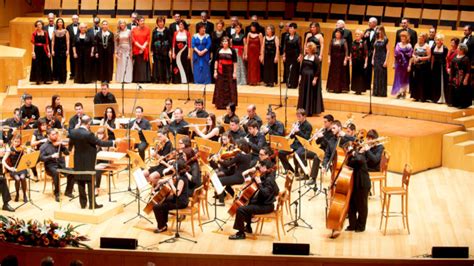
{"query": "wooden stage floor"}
[(439, 213)]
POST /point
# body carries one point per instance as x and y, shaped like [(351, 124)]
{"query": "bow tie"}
[(74, 25)]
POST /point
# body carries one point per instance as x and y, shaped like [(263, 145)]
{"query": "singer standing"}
[(123, 53), (104, 52), (141, 52)]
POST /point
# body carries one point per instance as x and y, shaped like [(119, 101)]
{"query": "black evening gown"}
[(60, 57), (84, 60), (216, 40), (337, 77), (105, 47), (440, 92), (225, 90), (359, 53), (419, 83), (310, 97), (292, 66), (461, 94), (40, 67), (380, 72), (161, 45), (270, 69)]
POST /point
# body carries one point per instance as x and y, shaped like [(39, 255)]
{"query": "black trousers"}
[(72, 63), (283, 156), (82, 192), (162, 210), (52, 170), (228, 181), (4, 190), (245, 213), (358, 208), (141, 149)]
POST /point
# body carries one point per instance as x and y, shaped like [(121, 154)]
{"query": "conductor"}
[(85, 152)]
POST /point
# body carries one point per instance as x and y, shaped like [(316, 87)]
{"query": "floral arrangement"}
[(34, 233)]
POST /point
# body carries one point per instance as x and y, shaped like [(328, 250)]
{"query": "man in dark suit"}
[(85, 153), (260, 28), (274, 127), (204, 21), (405, 24), (234, 21), (468, 40), (50, 28), (134, 21), (104, 96), (178, 126), (75, 120), (369, 39), (175, 25), (140, 123), (73, 29), (93, 31)]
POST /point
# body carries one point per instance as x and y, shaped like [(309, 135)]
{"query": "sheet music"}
[(216, 183), (140, 179), (300, 162)]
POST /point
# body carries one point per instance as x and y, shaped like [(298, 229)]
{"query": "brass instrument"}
[(295, 126), (350, 120), (244, 120), (316, 134), (193, 113), (264, 126)]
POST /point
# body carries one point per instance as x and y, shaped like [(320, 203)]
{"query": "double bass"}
[(161, 194)]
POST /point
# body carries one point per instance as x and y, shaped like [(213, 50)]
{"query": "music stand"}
[(99, 109), (218, 189), (111, 157), (28, 161), (74, 173), (280, 143), (121, 133)]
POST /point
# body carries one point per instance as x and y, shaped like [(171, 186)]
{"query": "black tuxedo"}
[(305, 130), (209, 26), (72, 60), (358, 205), (369, 42), (92, 32), (130, 26), (85, 153), (469, 41), (50, 35), (73, 121), (256, 143), (229, 33), (411, 33), (174, 27)]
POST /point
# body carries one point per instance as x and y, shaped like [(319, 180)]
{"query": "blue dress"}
[(202, 71)]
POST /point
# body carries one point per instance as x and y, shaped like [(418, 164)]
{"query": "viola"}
[(230, 154)]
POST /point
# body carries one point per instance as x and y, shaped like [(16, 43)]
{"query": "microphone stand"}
[(204, 96), (187, 81), (370, 104), (176, 236), (286, 95), (280, 105), (123, 85)]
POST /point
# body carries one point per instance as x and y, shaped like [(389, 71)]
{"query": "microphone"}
[(140, 87), (281, 25)]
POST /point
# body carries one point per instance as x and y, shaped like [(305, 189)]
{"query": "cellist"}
[(338, 136), (262, 201)]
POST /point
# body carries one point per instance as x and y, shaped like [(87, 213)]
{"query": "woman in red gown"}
[(253, 55)]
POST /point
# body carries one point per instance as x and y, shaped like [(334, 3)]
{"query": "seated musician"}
[(162, 150), (338, 134), (351, 130), (251, 116), (3, 181), (51, 155), (29, 111), (242, 162), (262, 202), (358, 205), (230, 113), (303, 129), (110, 122), (167, 115), (39, 135), (273, 127), (211, 131), (234, 129), (51, 120), (373, 154), (178, 126), (139, 124), (255, 139), (227, 145), (178, 200), (14, 123), (10, 162), (194, 170), (198, 111), (104, 96), (75, 120), (265, 153)]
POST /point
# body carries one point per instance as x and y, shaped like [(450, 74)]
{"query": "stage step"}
[(467, 121), (457, 136), (458, 150), (470, 130), (466, 146), (72, 212)]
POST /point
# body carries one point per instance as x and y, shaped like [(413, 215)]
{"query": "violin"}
[(229, 154)]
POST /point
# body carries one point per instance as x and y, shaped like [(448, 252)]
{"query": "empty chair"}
[(218, 8), (401, 191), (304, 9), (381, 176), (392, 14), (374, 11), (125, 7), (414, 14), (466, 18), (338, 11), (238, 8), (276, 9), (448, 18), (198, 6), (182, 7)]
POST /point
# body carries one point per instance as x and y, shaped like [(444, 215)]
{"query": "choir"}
[(235, 56)]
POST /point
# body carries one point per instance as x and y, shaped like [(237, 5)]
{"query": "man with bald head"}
[(369, 39), (252, 116), (73, 30), (49, 29)]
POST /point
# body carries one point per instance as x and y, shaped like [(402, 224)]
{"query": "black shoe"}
[(25, 199), (350, 228), (302, 178), (238, 236), (248, 229), (83, 206), (8, 208), (17, 197), (360, 230), (69, 195), (96, 206), (56, 198), (158, 230), (311, 182)]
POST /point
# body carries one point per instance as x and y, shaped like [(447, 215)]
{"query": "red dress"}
[(253, 60)]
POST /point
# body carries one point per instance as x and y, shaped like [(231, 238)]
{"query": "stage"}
[(439, 215)]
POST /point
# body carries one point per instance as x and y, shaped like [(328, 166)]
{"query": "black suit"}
[(73, 122), (92, 32), (72, 60), (174, 27), (358, 205), (256, 143), (411, 33), (209, 26), (373, 157), (242, 162), (228, 30), (130, 26), (305, 130), (85, 153), (369, 42), (469, 41), (51, 165)]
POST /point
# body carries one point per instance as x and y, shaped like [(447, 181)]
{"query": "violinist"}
[(178, 200), (273, 126), (75, 120), (3, 182), (374, 154), (51, 153), (10, 162), (28, 110), (242, 162), (193, 171), (303, 129), (162, 150), (255, 139), (110, 122), (339, 135), (39, 135), (211, 131), (227, 145), (198, 111), (51, 120), (14, 123), (230, 113), (58, 110), (262, 201), (358, 205), (234, 129), (140, 123), (178, 125)]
